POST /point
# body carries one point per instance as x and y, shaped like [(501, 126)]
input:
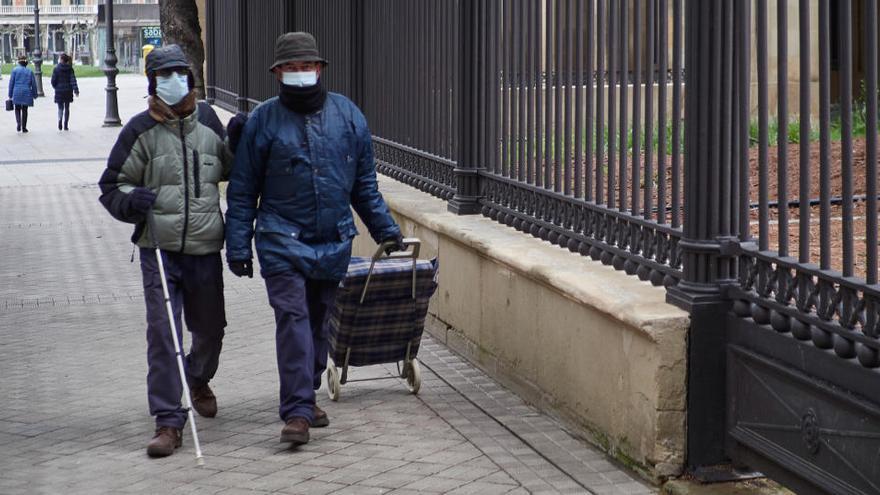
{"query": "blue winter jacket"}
[(22, 86), (299, 176)]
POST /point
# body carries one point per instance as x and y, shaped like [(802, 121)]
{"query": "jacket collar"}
[(171, 116)]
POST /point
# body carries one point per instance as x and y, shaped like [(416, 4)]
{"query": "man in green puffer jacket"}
[(162, 175)]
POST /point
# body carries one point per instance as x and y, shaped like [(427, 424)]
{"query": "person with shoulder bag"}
[(22, 92)]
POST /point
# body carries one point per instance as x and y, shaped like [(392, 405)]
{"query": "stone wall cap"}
[(624, 297)]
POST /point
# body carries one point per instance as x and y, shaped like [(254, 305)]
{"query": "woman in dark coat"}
[(22, 91), (64, 83)]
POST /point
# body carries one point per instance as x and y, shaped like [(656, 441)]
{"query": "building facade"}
[(76, 27)]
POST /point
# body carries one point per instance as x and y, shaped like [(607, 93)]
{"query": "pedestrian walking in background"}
[(304, 160), (162, 175), (22, 92), (64, 83)]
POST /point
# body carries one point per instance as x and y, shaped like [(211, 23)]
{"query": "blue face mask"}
[(173, 88)]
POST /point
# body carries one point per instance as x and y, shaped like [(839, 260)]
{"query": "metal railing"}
[(582, 135), (49, 10), (571, 133), (812, 270), (567, 120)]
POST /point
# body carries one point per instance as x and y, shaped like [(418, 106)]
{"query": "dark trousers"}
[(195, 288), (64, 112), (21, 112), (301, 309)]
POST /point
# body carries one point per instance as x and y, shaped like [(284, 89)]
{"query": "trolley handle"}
[(408, 242)]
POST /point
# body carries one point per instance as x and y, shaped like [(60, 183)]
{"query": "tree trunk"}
[(179, 20)]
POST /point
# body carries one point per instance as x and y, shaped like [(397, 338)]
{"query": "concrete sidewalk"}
[(73, 412)]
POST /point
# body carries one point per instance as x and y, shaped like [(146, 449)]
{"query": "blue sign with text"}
[(151, 35)]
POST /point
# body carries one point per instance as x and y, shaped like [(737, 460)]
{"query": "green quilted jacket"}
[(182, 161)]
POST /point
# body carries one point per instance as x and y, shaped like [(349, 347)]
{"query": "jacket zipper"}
[(185, 189), (197, 184), (314, 171)]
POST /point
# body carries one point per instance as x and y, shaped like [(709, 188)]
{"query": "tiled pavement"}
[(73, 414)]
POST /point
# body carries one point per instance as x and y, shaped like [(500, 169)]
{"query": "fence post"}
[(467, 172), (210, 92), (242, 98), (710, 228), (357, 20)]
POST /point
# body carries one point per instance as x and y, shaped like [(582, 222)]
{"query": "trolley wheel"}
[(333, 384), (413, 375)]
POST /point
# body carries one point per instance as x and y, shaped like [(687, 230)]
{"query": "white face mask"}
[(301, 79), (173, 88)]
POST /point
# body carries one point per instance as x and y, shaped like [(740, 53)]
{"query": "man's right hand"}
[(242, 268), (142, 199)]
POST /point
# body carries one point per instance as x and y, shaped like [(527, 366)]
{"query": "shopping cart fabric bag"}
[(376, 319)]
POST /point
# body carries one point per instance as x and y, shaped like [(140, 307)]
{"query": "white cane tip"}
[(200, 461)]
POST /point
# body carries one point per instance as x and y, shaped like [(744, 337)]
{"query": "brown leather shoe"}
[(296, 431), (319, 418), (204, 401), (164, 441)]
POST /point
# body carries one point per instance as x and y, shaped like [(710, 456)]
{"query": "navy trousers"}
[(195, 287), (301, 309)]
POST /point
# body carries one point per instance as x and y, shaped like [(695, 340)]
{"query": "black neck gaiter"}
[(303, 99)]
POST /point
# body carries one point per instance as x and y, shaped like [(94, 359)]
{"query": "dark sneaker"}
[(320, 418), (296, 431), (59, 125), (204, 401), (164, 441)]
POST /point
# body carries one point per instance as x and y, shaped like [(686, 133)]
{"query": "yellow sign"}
[(145, 50)]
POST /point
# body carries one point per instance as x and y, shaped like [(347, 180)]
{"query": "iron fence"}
[(582, 144), (572, 111), (565, 119), (827, 293), (569, 120)]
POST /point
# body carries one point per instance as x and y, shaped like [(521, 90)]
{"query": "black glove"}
[(142, 199), (242, 268), (397, 245), (234, 127)]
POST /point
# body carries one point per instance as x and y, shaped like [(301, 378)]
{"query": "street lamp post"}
[(111, 118), (38, 53)]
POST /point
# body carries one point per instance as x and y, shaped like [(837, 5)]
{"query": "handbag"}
[(9, 105)]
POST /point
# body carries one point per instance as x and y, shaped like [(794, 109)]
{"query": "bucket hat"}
[(166, 57), (296, 47)]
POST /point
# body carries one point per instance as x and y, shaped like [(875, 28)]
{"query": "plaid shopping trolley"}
[(380, 313)]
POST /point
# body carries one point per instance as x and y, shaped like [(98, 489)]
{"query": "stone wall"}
[(594, 347)]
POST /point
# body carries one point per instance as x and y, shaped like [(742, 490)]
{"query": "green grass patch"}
[(79, 70)]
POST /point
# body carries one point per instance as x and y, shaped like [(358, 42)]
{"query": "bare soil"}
[(835, 244)]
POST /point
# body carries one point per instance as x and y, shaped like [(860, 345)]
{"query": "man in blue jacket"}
[(303, 161)]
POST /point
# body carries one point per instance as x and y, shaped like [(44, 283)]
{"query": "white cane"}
[(177, 347)]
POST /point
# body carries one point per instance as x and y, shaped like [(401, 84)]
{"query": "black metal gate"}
[(798, 349), (563, 119)]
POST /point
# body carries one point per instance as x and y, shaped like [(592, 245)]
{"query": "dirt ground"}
[(834, 244)]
